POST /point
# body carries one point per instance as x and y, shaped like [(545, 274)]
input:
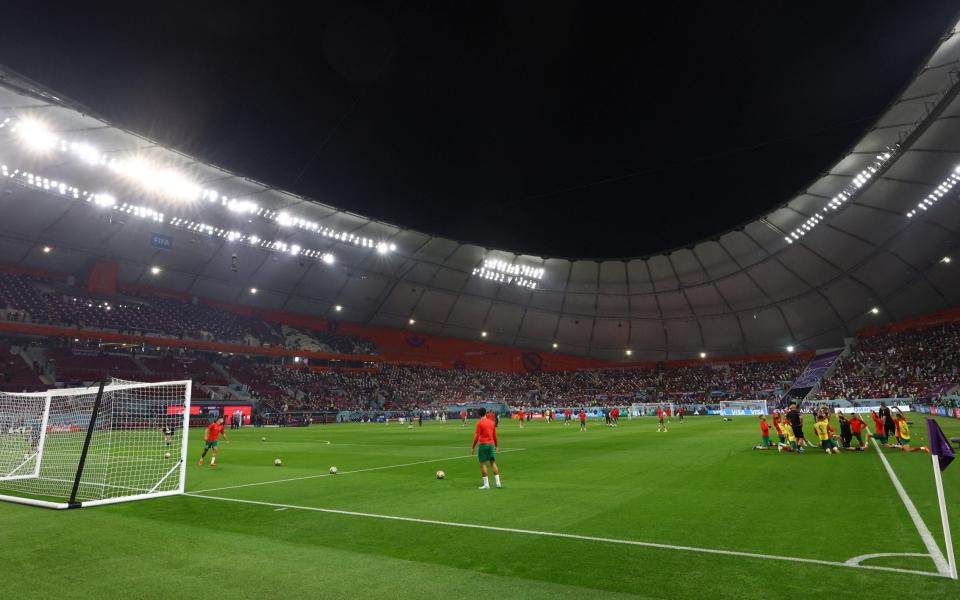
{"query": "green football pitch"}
[(625, 512)]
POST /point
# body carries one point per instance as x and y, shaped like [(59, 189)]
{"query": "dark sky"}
[(578, 129)]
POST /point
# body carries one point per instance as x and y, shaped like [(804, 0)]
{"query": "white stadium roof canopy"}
[(871, 233)]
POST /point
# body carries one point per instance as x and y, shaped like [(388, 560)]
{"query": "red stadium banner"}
[(178, 410), (103, 278)]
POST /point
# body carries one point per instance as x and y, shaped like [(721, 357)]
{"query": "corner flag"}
[(939, 446)]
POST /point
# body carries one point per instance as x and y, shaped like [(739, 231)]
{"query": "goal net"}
[(734, 408), (649, 409), (67, 448)]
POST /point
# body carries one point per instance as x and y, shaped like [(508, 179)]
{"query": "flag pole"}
[(947, 538)]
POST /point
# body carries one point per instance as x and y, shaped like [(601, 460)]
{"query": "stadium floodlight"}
[(790, 349), (48, 249), (836, 202), (483, 334), (75, 447), (412, 321), (629, 352), (875, 310), (295, 249), (555, 345), (35, 135), (946, 260), (703, 355), (382, 248), (338, 308), (155, 270), (328, 258), (253, 291)]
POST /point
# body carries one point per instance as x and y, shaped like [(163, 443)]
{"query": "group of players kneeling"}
[(789, 427)]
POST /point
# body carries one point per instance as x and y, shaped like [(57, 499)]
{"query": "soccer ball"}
[(441, 474), (333, 470), (277, 462), (166, 455), (263, 439)]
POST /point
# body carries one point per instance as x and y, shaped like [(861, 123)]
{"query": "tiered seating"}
[(908, 364), (17, 375), (167, 368), (38, 301), (87, 365)]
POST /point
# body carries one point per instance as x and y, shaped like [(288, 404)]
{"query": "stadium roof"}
[(863, 244)]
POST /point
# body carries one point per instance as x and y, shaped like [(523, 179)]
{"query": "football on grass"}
[(441, 474), (166, 455), (333, 470), (277, 462)]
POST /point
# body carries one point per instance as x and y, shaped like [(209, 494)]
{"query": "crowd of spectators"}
[(920, 363), (405, 387), (25, 298)]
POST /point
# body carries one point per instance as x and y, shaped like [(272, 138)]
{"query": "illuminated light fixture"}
[(253, 291), (555, 345), (703, 355), (790, 349), (47, 249), (328, 258), (296, 359), (875, 310), (166, 181), (412, 321), (483, 334), (939, 192), (507, 273), (338, 308), (629, 352), (155, 270), (845, 195), (383, 248), (295, 249), (35, 135), (946, 260)]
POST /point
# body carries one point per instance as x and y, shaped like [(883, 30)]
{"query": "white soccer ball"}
[(277, 462), (333, 470), (441, 474), (166, 455), (263, 439)]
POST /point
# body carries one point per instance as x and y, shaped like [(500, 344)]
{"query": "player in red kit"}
[(210, 440), (463, 418), (486, 436), (583, 420), (567, 416), (661, 426)]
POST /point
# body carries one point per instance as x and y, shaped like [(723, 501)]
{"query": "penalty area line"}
[(319, 475), (573, 536)]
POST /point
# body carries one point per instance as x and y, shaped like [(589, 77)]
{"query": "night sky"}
[(575, 129)]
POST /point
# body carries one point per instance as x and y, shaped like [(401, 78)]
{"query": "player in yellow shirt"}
[(822, 429), (903, 435), (787, 430)]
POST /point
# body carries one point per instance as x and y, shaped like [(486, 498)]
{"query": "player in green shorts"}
[(486, 436)]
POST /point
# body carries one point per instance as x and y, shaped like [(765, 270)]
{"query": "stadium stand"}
[(921, 363)]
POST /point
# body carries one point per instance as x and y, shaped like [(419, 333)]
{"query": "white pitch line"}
[(925, 535), (574, 536), (410, 464), (856, 560)]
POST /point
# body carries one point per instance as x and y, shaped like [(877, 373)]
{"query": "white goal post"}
[(74, 447), (736, 408)]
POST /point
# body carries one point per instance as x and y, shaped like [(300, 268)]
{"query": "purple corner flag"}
[(939, 446)]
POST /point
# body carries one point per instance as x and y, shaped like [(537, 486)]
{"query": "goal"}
[(735, 408), (649, 409), (67, 448)]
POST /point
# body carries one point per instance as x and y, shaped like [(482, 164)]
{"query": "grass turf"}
[(700, 485)]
